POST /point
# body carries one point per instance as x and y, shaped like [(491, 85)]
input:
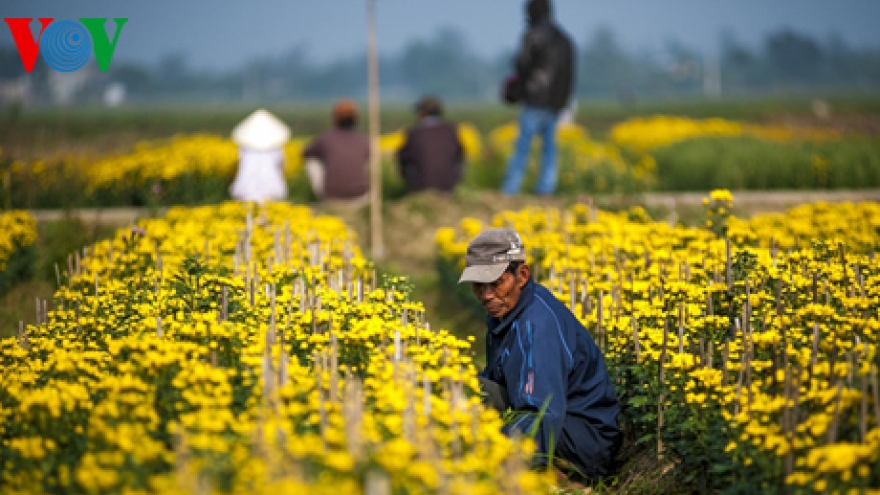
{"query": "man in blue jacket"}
[(537, 352)]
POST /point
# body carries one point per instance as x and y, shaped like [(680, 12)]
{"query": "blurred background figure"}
[(337, 160), (432, 155), (545, 65), (260, 177)]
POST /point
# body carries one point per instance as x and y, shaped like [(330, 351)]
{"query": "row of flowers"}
[(749, 360), (647, 133), (18, 236), (204, 164), (238, 348)]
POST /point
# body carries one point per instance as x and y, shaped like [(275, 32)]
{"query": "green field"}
[(29, 127)]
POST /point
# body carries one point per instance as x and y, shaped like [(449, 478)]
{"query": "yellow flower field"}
[(197, 168), (19, 229), (751, 361), (244, 349), (646, 133)]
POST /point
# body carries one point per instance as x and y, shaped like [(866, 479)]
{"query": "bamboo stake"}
[(615, 297), (702, 348), (272, 317), (789, 420), (814, 353), (724, 357), (334, 366), (662, 379), (815, 288), (426, 396), (876, 388), (315, 302), (600, 333), (22, 336), (283, 362), (831, 436), (287, 243), (322, 407), (860, 278), (353, 410), (376, 481), (584, 298), (863, 410), (710, 354), (709, 304), (375, 157), (681, 328), (224, 308), (750, 349), (743, 363), (729, 265)]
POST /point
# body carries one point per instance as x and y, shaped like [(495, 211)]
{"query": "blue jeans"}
[(533, 121)]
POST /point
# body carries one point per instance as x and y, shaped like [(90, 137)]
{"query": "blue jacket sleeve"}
[(537, 372)]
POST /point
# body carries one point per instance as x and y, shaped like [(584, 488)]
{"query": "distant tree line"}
[(445, 64)]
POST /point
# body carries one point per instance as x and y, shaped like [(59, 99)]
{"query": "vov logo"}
[(65, 45)]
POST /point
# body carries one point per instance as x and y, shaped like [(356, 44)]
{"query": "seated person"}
[(539, 355), (260, 176), (337, 161), (432, 155)]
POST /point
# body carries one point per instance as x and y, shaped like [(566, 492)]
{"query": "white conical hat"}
[(261, 131)]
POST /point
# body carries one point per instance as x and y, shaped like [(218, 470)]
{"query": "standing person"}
[(432, 155), (545, 73), (537, 353), (337, 161), (260, 176)]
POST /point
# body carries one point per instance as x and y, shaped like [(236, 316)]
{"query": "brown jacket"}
[(431, 156), (345, 154)]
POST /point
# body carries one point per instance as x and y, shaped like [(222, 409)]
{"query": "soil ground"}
[(410, 223)]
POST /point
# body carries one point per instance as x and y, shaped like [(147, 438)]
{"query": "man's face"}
[(499, 297)]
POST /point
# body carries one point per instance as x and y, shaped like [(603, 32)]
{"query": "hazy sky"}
[(219, 34)]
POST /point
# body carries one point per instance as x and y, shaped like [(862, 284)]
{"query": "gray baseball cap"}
[(489, 254)]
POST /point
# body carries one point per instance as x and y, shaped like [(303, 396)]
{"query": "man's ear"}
[(523, 272)]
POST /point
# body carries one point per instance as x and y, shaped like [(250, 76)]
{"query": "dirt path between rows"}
[(411, 222), (749, 201)]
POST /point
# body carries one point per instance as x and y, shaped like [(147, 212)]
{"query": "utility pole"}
[(376, 242)]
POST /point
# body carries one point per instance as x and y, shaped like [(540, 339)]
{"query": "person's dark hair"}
[(513, 266), (538, 10), (345, 114), (346, 122), (429, 105)]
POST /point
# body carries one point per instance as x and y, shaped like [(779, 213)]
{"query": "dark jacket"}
[(541, 352), (545, 63), (345, 154), (431, 156)]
